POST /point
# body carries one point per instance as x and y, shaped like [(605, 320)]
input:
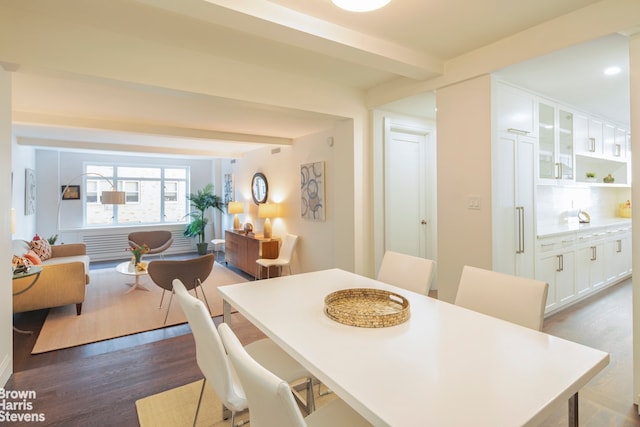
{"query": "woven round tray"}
[(367, 308)]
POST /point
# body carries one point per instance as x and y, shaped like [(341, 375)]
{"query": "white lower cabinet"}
[(590, 263), (575, 265), (618, 255), (555, 265)]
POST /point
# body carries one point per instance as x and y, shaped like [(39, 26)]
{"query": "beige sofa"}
[(62, 281)]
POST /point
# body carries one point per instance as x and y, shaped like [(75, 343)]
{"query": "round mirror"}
[(259, 188)]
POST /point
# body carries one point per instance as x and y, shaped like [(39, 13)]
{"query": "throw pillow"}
[(33, 257), (42, 248)]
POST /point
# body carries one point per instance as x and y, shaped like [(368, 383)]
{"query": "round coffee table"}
[(123, 268)]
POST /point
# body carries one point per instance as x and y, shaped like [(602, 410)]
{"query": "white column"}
[(634, 80), (6, 306)]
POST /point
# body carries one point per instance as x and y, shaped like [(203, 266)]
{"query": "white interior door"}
[(409, 191)]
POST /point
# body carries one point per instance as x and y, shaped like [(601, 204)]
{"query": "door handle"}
[(594, 253), (560, 263), (423, 222), (520, 213)]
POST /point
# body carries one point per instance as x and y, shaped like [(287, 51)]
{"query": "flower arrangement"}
[(138, 251)]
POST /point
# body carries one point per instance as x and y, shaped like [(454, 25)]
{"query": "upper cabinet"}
[(516, 111), (571, 146), (601, 150), (555, 144)]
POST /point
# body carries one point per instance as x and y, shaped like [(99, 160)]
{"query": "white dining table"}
[(445, 366)]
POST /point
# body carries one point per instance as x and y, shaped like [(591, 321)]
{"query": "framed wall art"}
[(312, 200), (228, 188), (70, 192), (29, 192)]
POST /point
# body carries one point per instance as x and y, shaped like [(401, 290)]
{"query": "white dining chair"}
[(214, 363), (406, 271), (515, 299), (284, 257), (271, 403)]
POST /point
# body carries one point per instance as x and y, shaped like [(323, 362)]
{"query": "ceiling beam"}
[(277, 23)]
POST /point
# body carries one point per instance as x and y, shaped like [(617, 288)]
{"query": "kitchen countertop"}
[(551, 230)]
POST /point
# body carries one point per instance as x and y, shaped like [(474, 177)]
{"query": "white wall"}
[(322, 244), (6, 307), (21, 159), (464, 159)]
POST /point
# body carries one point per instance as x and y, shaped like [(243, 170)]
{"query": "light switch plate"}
[(473, 202)]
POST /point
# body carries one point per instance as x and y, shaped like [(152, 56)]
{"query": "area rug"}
[(109, 312), (177, 407)]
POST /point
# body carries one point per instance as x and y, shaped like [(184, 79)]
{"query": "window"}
[(170, 191), (153, 194)]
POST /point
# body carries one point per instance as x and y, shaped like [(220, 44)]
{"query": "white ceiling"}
[(406, 39)]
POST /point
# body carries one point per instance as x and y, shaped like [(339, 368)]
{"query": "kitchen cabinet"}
[(513, 204), (590, 262), (588, 136), (243, 250), (556, 266), (515, 110), (618, 255), (600, 148), (579, 263), (555, 144)]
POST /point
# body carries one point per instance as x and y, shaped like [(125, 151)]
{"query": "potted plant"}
[(591, 176), (201, 201)]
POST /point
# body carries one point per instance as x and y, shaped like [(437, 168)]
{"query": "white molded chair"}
[(214, 364), (271, 403), (284, 256), (406, 271), (515, 299)]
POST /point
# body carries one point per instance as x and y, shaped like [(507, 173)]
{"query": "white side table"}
[(123, 268)]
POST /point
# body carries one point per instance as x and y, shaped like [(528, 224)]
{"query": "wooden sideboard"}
[(243, 250)]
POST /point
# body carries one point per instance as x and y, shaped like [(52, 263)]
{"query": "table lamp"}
[(267, 211), (235, 208)]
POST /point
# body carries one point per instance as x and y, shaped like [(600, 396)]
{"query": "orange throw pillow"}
[(42, 248), (31, 256)]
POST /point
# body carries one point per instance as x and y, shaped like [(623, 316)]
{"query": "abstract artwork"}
[(312, 203), (228, 188), (29, 192)]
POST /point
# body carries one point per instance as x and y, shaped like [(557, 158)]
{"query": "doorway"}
[(409, 189)]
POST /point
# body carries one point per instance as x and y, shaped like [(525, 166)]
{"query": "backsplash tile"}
[(560, 205)]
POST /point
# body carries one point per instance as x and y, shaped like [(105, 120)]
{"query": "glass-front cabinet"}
[(555, 145)]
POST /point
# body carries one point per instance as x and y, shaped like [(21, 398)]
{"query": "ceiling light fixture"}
[(360, 5), (612, 71)]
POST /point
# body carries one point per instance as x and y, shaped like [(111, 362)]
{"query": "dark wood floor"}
[(98, 384)]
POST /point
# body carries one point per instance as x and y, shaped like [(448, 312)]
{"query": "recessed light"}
[(612, 71), (360, 5)]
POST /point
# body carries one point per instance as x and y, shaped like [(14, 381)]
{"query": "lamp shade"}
[(235, 207), (113, 198), (268, 210)]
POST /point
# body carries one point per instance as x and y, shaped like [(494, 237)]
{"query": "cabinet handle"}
[(520, 212), (518, 131), (558, 170), (619, 243), (560, 263), (594, 253), (617, 150), (592, 145)]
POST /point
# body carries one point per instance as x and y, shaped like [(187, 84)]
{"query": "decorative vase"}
[(202, 248)]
